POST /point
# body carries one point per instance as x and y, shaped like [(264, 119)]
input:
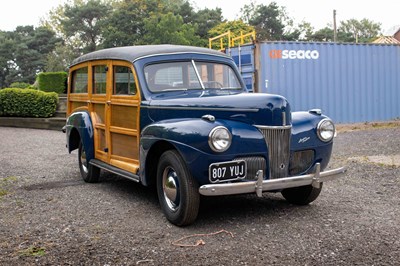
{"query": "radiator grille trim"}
[(277, 139), (254, 164)]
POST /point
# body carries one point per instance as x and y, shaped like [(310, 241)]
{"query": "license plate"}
[(226, 171)]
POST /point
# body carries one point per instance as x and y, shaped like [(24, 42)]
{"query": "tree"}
[(206, 19), (84, 20), (322, 35), (32, 49), (201, 20), (271, 22), (61, 57), (97, 24), (125, 25), (23, 53), (186, 11), (169, 28), (361, 31), (306, 31), (7, 64)]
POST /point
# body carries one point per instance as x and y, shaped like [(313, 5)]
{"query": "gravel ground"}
[(49, 216)]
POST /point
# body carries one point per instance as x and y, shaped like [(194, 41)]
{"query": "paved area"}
[(49, 216)]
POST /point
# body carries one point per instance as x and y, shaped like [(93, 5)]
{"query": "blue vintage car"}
[(180, 118)]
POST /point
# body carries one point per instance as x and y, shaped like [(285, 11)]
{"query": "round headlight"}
[(219, 139), (326, 130)]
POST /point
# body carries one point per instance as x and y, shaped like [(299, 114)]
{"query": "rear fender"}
[(79, 127)]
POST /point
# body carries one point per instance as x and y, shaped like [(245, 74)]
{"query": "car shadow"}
[(237, 207), (128, 188), (213, 210)]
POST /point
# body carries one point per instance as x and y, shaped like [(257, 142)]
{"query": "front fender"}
[(304, 137), (80, 123), (304, 130), (190, 138)]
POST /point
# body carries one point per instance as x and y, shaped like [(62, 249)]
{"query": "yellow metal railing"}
[(221, 38), (231, 41), (242, 37)]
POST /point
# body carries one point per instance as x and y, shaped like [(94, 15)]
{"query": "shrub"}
[(21, 85), (52, 82), (27, 103)]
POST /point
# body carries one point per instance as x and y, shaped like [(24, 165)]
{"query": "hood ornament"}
[(210, 118), (315, 111)]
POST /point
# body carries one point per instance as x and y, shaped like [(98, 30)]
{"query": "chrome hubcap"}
[(171, 188), (84, 161)]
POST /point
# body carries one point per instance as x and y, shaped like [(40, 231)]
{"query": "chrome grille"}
[(253, 165), (278, 142), (301, 161)]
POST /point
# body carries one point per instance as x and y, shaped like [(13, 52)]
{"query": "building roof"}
[(132, 53), (386, 40)]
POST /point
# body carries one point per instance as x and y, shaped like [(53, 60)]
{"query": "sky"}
[(318, 12)]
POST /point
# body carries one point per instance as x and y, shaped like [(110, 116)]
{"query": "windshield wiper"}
[(231, 88)]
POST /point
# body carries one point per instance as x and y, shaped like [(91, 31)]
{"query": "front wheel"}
[(301, 195), (89, 173), (177, 190)]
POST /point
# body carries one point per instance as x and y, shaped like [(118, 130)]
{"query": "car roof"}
[(133, 53)]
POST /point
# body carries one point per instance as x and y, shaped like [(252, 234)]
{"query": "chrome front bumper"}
[(261, 185)]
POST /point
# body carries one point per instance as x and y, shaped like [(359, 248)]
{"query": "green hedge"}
[(52, 81), (21, 85), (27, 103)]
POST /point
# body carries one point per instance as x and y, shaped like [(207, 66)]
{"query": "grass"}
[(9, 179), (5, 184), (33, 251), (3, 192), (367, 125), (384, 125)]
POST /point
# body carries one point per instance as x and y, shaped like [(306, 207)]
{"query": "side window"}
[(80, 80), (124, 81), (99, 79)]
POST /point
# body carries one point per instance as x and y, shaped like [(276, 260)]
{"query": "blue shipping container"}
[(349, 82)]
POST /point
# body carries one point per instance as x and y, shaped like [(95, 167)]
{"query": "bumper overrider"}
[(260, 185)]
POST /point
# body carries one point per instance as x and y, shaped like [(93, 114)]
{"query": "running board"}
[(114, 170)]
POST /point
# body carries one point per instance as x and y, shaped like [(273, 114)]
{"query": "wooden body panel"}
[(115, 117)]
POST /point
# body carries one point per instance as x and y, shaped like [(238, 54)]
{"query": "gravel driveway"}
[(49, 216)]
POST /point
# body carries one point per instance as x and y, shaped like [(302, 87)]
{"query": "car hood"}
[(255, 109)]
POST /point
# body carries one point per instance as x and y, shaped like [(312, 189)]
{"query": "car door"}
[(115, 114), (123, 117)]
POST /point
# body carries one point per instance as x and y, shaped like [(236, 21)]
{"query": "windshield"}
[(190, 75)]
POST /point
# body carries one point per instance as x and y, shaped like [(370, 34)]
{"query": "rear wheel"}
[(301, 195), (89, 172), (177, 190)]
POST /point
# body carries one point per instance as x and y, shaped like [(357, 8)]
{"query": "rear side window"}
[(99, 79), (124, 81), (80, 80)]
